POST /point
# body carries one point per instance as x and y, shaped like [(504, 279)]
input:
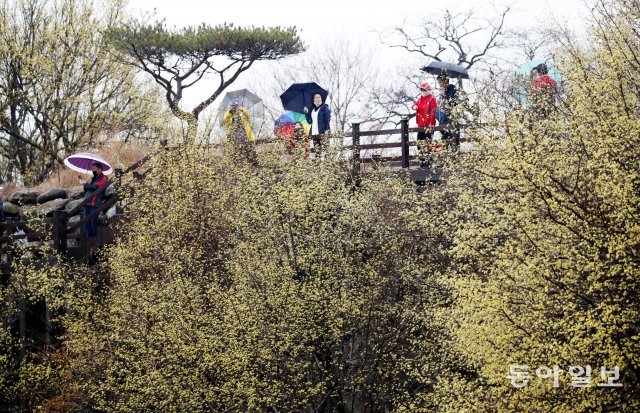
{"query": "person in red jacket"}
[(543, 90), (425, 108)]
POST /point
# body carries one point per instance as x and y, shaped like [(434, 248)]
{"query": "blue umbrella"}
[(299, 95)]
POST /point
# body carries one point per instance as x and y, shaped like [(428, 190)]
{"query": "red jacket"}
[(90, 188), (544, 82), (425, 108)]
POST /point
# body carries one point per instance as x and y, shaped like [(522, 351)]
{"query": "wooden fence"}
[(59, 228)]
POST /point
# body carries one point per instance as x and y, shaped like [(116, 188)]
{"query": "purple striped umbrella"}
[(82, 161)]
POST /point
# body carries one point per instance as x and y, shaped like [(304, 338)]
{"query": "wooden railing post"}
[(404, 135), (119, 172), (60, 231), (355, 145)]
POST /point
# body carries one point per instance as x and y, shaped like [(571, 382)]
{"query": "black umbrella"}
[(453, 71), (299, 95)]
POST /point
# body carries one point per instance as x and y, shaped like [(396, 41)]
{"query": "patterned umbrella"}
[(285, 124), (82, 162)]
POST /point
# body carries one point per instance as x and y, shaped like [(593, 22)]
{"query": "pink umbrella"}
[(82, 162)]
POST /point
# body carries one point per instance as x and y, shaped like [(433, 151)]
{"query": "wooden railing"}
[(404, 143), (58, 228), (357, 147), (55, 229), (29, 235)]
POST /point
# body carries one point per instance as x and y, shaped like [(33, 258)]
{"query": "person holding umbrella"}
[(319, 117), (299, 96), (543, 90), (88, 163), (448, 99), (293, 129), (98, 180), (239, 131), (246, 100), (238, 126)]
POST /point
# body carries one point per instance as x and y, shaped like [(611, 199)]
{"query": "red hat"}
[(425, 86)]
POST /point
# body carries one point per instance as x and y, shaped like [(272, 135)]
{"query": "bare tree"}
[(345, 68), (462, 38), (61, 89), (531, 44)]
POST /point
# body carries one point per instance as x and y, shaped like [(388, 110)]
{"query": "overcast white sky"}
[(321, 21), (343, 17)]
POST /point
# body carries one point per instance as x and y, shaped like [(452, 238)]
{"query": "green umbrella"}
[(525, 70), (523, 78)]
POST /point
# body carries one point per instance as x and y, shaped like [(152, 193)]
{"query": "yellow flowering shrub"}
[(281, 287), (286, 284), (546, 245)]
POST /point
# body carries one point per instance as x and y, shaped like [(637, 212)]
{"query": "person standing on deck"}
[(238, 122), (425, 108), (98, 180), (447, 101), (543, 91), (319, 117)]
